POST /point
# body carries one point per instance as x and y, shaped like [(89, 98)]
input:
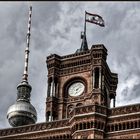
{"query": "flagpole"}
[(85, 25)]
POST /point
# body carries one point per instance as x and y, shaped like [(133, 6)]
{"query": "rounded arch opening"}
[(79, 104)]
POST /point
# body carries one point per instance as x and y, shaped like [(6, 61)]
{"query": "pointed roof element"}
[(84, 45)]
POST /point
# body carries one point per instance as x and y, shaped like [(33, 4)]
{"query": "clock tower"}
[(77, 81)]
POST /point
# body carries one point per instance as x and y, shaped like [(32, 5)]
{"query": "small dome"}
[(24, 84), (21, 113)]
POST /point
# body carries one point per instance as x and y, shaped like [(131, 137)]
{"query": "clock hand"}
[(77, 89)]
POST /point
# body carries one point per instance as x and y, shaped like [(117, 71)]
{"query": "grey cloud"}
[(56, 28)]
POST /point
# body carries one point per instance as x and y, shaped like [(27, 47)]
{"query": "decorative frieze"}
[(124, 110)]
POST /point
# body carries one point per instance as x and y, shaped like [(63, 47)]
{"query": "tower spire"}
[(25, 73), (23, 112)]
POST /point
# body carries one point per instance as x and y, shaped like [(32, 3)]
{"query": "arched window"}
[(135, 124), (96, 81), (112, 127), (120, 126), (116, 127), (108, 128), (49, 86), (127, 125), (79, 104), (80, 126), (95, 124), (64, 136), (92, 125), (102, 126), (111, 102), (68, 136), (106, 97), (131, 125), (99, 125), (88, 125), (54, 115), (123, 126), (76, 126), (48, 116), (84, 126)]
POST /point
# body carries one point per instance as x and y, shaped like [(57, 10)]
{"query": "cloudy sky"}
[(56, 28)]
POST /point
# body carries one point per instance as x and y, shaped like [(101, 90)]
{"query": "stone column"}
[(51, 88), (54, 86)]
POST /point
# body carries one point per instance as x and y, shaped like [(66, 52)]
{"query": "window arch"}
[(131, 125), (127, 125), (135, 124), (102, 126), (120, 126), (112, 127), (98, 125), (68, 136), (79, 104), (88, 125), (84, 125), (64, 136), (80, 126), (96, 81), (92, 125), (116, 127), (48, 116), (95, 124), (108, 128), (76, 126), (123, 126)]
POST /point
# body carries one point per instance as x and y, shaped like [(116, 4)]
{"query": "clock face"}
[(76, 89)]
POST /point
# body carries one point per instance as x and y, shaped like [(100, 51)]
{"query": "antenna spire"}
[(23, 112), (25, 73)]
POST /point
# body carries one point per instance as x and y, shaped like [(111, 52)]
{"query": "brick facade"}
[(88, 115)]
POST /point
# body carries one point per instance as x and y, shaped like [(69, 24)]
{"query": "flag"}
[(94, 18)]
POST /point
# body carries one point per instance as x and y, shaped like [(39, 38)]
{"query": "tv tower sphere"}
[(22, 112)]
